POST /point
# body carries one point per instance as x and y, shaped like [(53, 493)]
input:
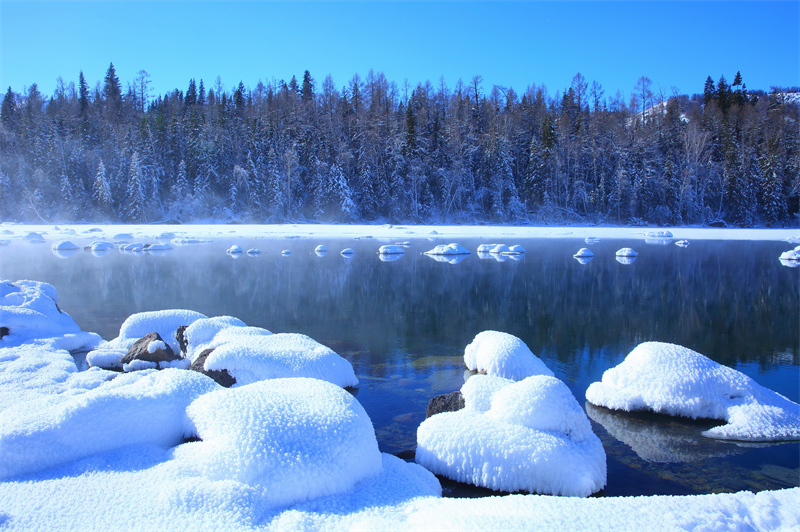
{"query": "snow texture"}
[(584, 252), (534, 437), (448, 249), (671, 379), (63, 245), (503, 355), (234, 249), (294, 439), (321, 249), (792, 254), (200, 333), (141, 407), (249, 357), (29, 311)]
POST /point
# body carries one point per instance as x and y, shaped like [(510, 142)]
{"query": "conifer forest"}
[(375, 150)]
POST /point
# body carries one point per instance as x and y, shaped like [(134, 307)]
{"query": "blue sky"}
[(676, 44)]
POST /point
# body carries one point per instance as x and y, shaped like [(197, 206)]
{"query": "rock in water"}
[(449, 402)]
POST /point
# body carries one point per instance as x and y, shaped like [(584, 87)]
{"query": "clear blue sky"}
[(676, 44)]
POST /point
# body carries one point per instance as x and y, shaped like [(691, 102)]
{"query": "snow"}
[(251, 435), (682, 243), (448, 249), (626, 252), (251, 357), (63, 245), (141, 407), (658, 234), (625, 260), (672, 379), (503, 355), (201, 332), (29, 311), (163, 322), (234, 250), (321, 249), (583, 253), (391, 250), (534, 437), (158, 247), (286, 252), (792, 254), (347, 252)]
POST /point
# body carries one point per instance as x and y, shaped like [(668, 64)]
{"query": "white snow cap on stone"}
[(790, 255), (584, 252), (201, 332), (321, 248), (234, 249), (391, 250), (487, 248), (671, 379), (29, 310), (63, 245), (626, 252), (250, 358), (295, 439), (534, 437), (503, 355), (448, 249)]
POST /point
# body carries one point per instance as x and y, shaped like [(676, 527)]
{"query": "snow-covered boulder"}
[(63, 245), (141, 407), (503, 355), (163, 322), (533, 437), (591, 240), (658, 234), (792, 254), (148, 352), (626, 252), (251, 357), (294, 439), (286, 252), (33, 238), (101, 246), (391, 250), (516, 249), (200, 334), (254, 252), (448, 249), (347, 252), (162, 246), (134, 247), (674, 380), (234, 250), (583, 253), (321, 249), (29, 313), (487, 248), (682, 243)]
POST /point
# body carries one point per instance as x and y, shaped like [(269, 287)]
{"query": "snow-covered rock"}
[(141, 407), (503, 355), (234, 250), (253, 252), (29, 313), (792, 254), (487, 248), (671, 379), (533, 437), (163, 322), (658, 234), (516, 249), (682, 243), (286, 252), (347, 252), (63, 245), (391, 250), (626, 252), (162, 246), (591, 240), (201, 333), (250, 357), (448, 249), (321, 249), (583, 253), (294, 439)]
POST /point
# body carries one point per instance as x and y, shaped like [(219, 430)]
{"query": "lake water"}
[(404, 323)]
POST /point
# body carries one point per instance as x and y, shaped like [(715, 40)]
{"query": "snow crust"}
[(583, 253), (533, 437), (391, 250), (201, 332), (29, 310), (63, 245), (503, 355), (626, 252), (672, 379)]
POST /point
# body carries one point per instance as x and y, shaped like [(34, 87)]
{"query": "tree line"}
[(375, 151)]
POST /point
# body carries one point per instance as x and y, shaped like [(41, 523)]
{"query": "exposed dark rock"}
[(180, 336), (221, 377), (141, 351), (449, 402), (4, 331)]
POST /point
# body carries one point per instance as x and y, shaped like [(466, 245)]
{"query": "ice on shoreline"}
[(672, 379)]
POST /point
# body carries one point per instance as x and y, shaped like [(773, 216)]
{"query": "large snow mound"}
[(534, 437), (29, 313), (672, 379), (297, 439), (142, 407), (200, 333), (249, 357), (503, 355)]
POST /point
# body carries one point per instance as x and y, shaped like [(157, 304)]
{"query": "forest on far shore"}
[(371, 150)]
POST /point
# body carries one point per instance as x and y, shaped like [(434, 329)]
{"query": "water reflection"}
[(625, 260)]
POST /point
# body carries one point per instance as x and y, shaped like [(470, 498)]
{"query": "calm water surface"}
[(403, 324)]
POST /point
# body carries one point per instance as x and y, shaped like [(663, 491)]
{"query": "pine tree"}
[(102, 190), (135, 191), (709, 91), (112, 95), (307, 92), (8, 114)]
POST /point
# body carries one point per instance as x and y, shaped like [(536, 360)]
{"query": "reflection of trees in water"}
[(731, 301)]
